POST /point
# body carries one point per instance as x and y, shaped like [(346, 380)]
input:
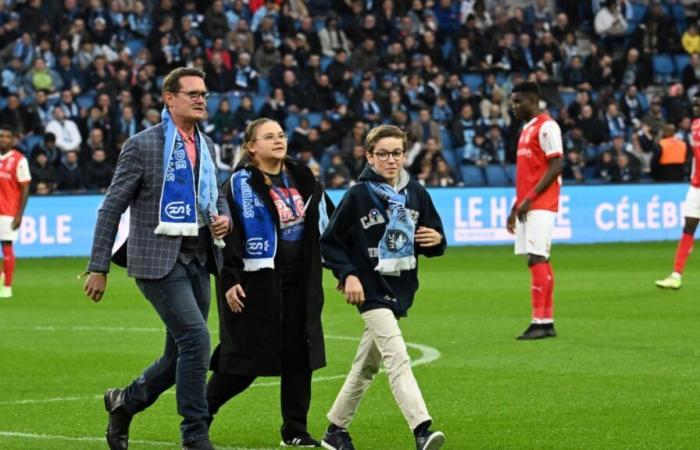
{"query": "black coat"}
[(251, 341)]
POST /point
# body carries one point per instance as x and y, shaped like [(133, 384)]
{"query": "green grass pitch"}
[(624, 372)]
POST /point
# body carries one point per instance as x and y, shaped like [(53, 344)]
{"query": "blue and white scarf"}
[(182, 207), (396, 246), (259, 230)]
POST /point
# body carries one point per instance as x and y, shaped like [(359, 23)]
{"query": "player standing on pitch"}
[(691, 207), (537, 185), (14, 192)]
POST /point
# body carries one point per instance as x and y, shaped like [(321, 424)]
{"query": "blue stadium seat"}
[(446, 139), (314, 119), (472, 175), (450, 159), (258, 102), (263, 86), (568, 98), (134, 45), (473, 80), (86, 100), (680, 60), (496, 175), (291, 122), (639, 10), (213, 103), (510, 172), (325, 62), (234, 100), (446, 49), (663, 68)]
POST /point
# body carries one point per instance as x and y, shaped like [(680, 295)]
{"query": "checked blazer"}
[(137, 183)]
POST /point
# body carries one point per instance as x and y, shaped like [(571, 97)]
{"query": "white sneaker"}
[(5, 292), (670, 282)]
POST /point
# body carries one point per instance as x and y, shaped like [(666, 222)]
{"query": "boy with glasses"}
[(371, 245)]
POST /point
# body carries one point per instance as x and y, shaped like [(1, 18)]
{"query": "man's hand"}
[(427, 237), (523, 209), (234, 298), (510, 224), (219, 227), (17, 221), (354, 293), (95, 286)]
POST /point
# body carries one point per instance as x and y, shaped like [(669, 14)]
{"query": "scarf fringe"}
[(177, 229), (393, 265), (252, 265)]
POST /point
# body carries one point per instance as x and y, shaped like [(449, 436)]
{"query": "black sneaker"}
[(549, 329), (534, 331), (337, 439), (430, 440), (303, 440)]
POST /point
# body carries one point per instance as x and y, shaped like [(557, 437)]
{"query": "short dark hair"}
[(527, 87), (171, 83), (7, 127)]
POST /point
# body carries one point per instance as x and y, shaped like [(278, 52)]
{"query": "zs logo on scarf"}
[(395, 240), (256, 246), (178, 210)]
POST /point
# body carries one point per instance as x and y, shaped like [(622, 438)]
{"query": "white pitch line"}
[(428, 355), (56, 437)]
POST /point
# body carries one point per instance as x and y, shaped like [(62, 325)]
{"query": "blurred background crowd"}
[(80, 77)]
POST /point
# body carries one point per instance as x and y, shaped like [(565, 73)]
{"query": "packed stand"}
[(81, 77)]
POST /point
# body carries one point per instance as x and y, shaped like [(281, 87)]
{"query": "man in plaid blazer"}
[(172, 272)]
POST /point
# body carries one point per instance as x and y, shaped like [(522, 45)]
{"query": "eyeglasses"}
[(194, 95), (271, 137), (384, 156)]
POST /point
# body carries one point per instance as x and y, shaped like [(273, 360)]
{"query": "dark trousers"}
[(181, 299), (295, 395)]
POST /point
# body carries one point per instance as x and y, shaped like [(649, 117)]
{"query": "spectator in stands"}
[(625, 169), (631, 106), (691, 39), (594, 129), (244, 114), (668, 164), (605, 166), (127, 124), (245, 77), (223, 117), (365, 57), (219, 79), (609, 22), (690, 77), (11, 75), (615, 120), (538, 11), (583, 98), (66, 131), (332, 38), (631, 71), (42, 77), (337, 174), (293, 93), (368, 110), (276, 107), (442, 174), (355, 161), (139, 20), (676, 104), (569, 48), (23, 119), (441, 112), (69, 175), (42, 171), (575, 77), (95, 141), (464, 128), (215, 24), (266, 57), (98, 171), (562, 27), (655, 116), (424, 128)]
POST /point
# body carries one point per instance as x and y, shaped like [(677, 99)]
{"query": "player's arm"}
[(24, 178), (551, 143)]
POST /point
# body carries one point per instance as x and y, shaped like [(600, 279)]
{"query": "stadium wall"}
[(63, 226)]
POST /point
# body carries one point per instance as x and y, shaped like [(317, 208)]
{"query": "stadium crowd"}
[(80, 77)]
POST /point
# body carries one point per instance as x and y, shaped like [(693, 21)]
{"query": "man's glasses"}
[(271, 137), (384, 156), (194, 95)]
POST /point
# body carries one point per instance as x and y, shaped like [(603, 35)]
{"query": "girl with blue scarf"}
[(371, 244), (269, 293)]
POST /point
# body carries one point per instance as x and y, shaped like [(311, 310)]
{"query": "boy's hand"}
[(427, 237), (354, 293)]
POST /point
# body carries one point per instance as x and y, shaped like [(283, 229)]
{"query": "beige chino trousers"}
[(381, 342)]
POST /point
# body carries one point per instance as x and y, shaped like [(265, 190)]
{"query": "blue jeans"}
[(181, 299)]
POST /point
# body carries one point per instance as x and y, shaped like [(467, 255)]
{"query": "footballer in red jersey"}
[(691, 207), (14, 191), (537, 185)]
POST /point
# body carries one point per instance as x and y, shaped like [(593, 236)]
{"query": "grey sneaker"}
[(430, 440)]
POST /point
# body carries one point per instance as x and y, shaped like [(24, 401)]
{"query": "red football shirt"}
[(14, 171), (695, 133), (539, 141)]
